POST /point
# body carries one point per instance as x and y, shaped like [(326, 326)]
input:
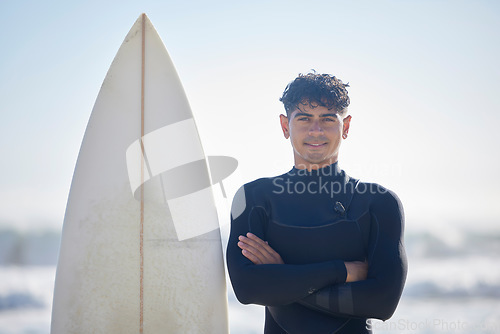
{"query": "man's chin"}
[(318, 161), (317, 158)]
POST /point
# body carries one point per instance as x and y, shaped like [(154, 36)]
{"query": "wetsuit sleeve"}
[(378, 295), (270, 284)]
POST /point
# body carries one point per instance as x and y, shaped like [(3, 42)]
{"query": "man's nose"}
[(315, 128)]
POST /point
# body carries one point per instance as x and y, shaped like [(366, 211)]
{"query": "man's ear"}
[(347, 123), (284, 126)]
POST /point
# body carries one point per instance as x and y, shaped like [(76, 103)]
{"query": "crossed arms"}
[(368, 289), (259, 252)]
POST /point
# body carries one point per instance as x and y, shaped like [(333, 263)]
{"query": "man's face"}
[(315, 134)]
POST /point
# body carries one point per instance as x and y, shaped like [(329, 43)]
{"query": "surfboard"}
[(141, 250)]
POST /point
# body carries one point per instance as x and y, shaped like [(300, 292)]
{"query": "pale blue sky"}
[(424, 81)]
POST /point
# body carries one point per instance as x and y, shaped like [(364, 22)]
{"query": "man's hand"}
[(356, 271), (257, 250)]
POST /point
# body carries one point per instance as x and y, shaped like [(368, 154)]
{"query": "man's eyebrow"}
[(302, 114), (328, 115), (299, 114)]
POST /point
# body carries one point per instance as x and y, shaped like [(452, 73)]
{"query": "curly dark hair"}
[(316, 90)]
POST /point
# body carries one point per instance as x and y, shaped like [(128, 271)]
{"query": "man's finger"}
[(259, 245), (254, 243), (265, 249), (254, 250), (265, 245), (258, 251), (261, 242), (251, 256), (257, 239)]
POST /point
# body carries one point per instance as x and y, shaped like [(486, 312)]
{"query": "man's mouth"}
[(315, 144)]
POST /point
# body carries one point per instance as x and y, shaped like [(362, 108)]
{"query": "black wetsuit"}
[(317, 220)]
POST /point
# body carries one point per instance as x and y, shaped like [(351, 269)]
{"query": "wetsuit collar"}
[(330, 170), (344, 187)]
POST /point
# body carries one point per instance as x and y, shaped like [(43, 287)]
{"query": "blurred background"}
[(424, 80)]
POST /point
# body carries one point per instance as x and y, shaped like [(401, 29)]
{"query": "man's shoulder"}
[(251, 194), (378, 194)]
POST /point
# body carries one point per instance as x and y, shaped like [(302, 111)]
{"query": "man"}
[(321, 250)]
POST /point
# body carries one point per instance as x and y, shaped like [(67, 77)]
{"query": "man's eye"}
[(303, 118), (329, 119)]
